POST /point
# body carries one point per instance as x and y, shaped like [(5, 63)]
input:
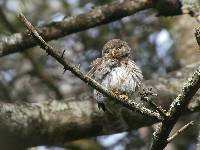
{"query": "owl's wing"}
[(136, 73), (101, 67), (94, 66)]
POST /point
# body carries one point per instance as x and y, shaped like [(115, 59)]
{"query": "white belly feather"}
[(125, 78), (120, 79)]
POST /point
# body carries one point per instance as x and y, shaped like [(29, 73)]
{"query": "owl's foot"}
[(122, 95), (147, 92), (115, 92)]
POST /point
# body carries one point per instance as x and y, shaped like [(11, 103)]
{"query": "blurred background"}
[(160, 45)]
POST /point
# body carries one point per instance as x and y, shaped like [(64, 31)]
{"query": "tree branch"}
[(130, 104), (177, 107), (98, 16), (181, 130), (56, 122)]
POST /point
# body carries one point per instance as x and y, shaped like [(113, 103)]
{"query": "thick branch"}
[(98, 16), (178, 106), (54, 123)]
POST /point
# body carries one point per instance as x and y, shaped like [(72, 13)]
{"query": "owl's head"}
[(116, 48)]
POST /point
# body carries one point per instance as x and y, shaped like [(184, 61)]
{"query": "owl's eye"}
[(118, 49)]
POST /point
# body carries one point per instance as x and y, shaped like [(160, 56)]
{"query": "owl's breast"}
[(123, 78)]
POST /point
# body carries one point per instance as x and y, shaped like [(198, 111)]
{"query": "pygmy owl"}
[(116, 71)]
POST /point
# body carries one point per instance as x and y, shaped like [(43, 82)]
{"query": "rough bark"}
[(177, 108), (101, 15), (54, 123)]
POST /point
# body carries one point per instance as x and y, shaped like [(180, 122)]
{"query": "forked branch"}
[(177, 107), (76, 71)]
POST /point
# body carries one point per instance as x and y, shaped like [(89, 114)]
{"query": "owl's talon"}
[(115, 92), (124, 96), (121, 95), (147, 92)]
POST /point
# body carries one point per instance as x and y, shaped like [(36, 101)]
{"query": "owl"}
[(116, 71)]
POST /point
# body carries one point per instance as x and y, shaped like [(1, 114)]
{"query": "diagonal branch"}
[(75, 70), (181, 130)]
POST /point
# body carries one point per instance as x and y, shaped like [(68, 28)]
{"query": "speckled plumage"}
[(116, 71)]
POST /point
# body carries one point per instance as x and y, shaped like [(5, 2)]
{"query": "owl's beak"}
[(119, 52), (113, 52)]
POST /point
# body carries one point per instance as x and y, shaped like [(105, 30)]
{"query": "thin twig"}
[(180, 131), (154, 106), (67, 66), (145, 96)]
